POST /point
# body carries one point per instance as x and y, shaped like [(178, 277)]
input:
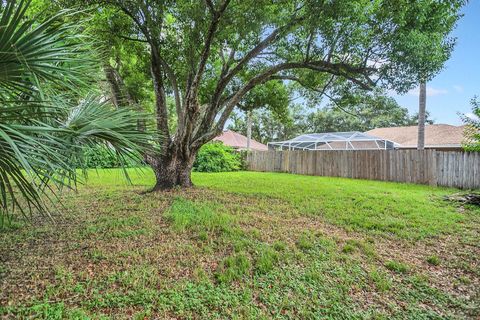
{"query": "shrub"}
[(102, 157), (216, 157), (242, 155)]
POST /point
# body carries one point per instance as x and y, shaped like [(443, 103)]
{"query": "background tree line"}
[(361, 112)]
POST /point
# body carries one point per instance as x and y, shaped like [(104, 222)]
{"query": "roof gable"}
[(238, 141)]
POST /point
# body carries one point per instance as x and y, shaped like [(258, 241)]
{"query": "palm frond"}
[(32, 52), (43, 134)]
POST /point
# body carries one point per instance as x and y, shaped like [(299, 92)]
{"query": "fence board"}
[(442, 168)]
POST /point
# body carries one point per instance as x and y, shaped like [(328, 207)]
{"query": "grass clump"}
[(434, 260), (280, 246), (348, 248), (364, 247), (202, 217), (233, 268), (380, 280), (266, 260), (96, 255), (306, 241), (397, 266)]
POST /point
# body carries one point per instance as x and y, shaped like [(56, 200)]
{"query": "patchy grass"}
[(305, 241), (267, 259), (396, 266), (245, 246), (381, 280)]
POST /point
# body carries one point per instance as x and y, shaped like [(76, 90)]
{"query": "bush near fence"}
[(217, 157)]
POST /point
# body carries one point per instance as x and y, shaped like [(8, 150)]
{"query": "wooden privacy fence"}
[(437, 168)]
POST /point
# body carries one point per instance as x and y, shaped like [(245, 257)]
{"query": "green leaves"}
[(33, 52), (211, 56), (94, 122), (216, 157), (45, 122), (472, 128)]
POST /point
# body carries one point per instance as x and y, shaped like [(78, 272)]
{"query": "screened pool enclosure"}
[(333, 141)]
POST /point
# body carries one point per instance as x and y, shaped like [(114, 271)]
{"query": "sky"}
[(452, 89)]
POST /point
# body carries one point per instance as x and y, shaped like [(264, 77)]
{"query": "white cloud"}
[(392, 92), (430, 92), (472, 116), (458, 88)]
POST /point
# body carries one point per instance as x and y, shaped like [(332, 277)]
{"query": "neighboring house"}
[(437, 136), (239, 142)]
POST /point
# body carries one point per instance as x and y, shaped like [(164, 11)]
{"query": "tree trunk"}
[(115, 87), (172, 169), (249, 128), (422, 102)]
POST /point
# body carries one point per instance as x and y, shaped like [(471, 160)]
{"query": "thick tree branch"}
[(265, 43), (137, 21), (322, 91), (160, 99), (303, 84), (217, 14), (228, 74), (338, 69), (176, 93), (192, 107), (210, 5)]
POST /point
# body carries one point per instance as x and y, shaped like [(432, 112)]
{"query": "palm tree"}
[(422, 102), (44, 124)]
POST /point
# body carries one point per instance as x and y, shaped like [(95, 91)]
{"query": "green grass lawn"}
[(245, 245)]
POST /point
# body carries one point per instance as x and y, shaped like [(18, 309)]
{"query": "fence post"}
[(432, 158)]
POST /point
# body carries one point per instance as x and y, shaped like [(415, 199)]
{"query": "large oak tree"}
[(207, 55)]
